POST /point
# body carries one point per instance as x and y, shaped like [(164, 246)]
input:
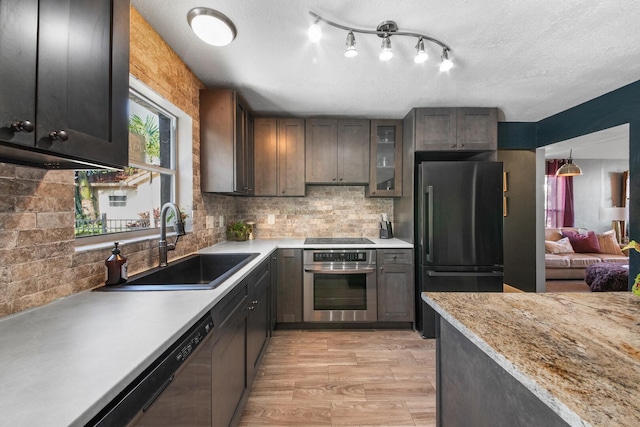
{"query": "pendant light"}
[(569, 168), (211, 26)]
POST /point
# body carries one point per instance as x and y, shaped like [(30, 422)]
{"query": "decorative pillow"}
[(562, 246), (583, 243), (609, 243)]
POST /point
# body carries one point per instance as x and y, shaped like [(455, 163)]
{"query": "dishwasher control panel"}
[(192, 342)]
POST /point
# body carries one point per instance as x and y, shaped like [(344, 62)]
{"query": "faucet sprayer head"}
[(178, 226)]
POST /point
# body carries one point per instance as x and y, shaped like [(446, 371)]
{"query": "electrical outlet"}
[(209, 222), (271, 219), (221, 220)]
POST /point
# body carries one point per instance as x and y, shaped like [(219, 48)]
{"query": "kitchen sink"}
[(195, 272)]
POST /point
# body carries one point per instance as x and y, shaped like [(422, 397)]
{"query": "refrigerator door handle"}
[(432, 273), (429, 198)]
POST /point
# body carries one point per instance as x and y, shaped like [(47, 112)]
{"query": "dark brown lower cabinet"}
[(241, 334), (396, 285), (228, 357), (258, 322), (289, 286)]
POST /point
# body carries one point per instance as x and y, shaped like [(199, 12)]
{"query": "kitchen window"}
[(125, 204)]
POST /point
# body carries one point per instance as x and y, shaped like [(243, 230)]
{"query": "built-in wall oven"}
[(339, 285)]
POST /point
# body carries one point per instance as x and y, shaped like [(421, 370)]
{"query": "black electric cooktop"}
[(337, 241)]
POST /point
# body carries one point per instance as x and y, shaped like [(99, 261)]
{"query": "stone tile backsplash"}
[(326, 211)]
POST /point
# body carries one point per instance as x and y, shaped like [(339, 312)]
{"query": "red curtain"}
[(559, 208)]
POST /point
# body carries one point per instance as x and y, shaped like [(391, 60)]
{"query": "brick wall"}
[(38, 262)]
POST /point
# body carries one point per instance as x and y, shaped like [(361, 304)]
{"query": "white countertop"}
[(63, 362)]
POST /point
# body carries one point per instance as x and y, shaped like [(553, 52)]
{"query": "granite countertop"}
[(578, 352), (63, 362)]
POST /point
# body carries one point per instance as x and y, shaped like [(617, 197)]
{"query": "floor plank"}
[(344, 378)]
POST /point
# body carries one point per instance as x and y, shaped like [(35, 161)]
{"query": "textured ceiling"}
[(531, 59)]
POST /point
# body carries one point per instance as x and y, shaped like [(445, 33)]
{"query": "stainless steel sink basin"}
[(195, 272)]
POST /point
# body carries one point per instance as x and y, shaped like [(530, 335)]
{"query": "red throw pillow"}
[(583, 243)]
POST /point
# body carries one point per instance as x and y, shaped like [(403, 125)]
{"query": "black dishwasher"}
[(174, 391)]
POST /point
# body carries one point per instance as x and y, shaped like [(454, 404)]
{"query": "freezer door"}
[(460, 213)]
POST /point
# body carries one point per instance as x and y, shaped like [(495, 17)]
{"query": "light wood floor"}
[(344, 378)]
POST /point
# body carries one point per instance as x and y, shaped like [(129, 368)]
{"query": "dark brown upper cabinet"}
[(337, 151), (456, 129), (65, 83), (386, 159), (279, 157), (226, 143)]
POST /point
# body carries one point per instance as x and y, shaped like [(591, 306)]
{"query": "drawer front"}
[(225, 308), (395, 256)]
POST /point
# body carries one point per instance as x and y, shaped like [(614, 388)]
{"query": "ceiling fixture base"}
[(387, 27)]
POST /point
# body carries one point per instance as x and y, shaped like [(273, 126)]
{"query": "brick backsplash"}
[(38, 261), (326, 211)]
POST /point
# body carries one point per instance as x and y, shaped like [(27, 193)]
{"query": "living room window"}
[(559, 211)]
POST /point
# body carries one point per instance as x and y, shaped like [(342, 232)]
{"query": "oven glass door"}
[(339, 291), (340, 296)]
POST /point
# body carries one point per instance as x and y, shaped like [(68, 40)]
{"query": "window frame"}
[(182, 162)]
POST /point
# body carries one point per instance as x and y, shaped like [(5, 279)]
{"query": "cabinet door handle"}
[(58, 134), (22, 126)]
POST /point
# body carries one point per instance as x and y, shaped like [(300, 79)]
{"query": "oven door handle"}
[(355, 270)]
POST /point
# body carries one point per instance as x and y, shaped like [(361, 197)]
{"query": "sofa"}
[(569, 251)]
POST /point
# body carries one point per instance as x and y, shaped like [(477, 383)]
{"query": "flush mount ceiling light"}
[(569, 168), (385, 30), (211, 26)]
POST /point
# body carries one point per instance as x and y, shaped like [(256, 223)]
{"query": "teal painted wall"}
[(611, 109)]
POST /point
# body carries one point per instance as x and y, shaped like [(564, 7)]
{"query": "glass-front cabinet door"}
[(385, 178)]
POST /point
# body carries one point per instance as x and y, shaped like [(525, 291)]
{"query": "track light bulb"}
[(421, 55), (446, 63), (386, 53), (351, 46), (315, 32)]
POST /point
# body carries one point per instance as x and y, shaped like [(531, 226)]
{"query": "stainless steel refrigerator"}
[(459, 230)]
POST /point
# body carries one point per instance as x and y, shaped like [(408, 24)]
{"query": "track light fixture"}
[(385, 30), (351, 50), (315, 32), (421, 55), (446, 63), (386, 53)]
